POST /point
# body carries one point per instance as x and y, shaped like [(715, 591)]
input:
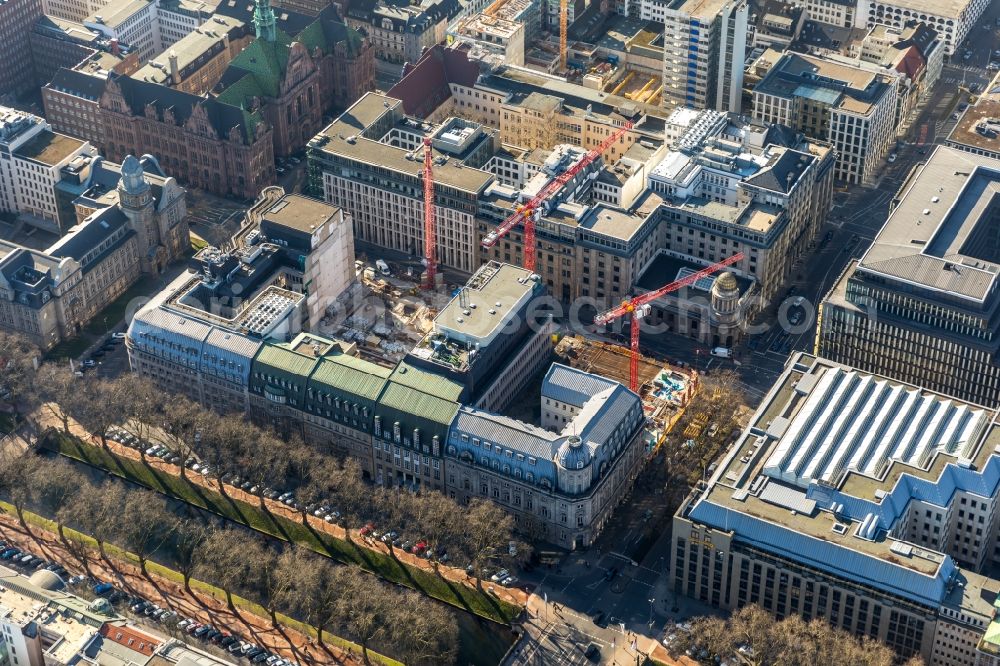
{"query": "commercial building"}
[(413, 425), (16, 19), (292, 259), (854, 498), (852, 108), (486, 339), (531, 109), (735, 186), (32, 159), (132, 220), (131, 22), (920, 304), (58, 43), (704, 48), (561, 481)]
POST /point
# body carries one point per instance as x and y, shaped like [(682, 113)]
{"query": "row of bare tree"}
[(338, 599), (478, 534), (752, 636)]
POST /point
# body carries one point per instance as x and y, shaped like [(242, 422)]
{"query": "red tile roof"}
[(910, 63), (130, 638), (425, 84)]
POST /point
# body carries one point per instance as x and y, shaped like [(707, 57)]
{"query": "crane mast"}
[(430, 230), (638, 307)]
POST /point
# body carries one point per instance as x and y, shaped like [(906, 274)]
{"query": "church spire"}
[(263, 20)]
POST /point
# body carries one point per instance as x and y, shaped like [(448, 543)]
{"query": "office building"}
[(292, 259), (16, 19), (704, 48), (32, 158), (560, 481), (196, 62), (851, 107), (59, 43), (857, 499), (372, 141), (485, 338), (131, 22), (731, 186), (920, 305), (413, 426), (531, 109)]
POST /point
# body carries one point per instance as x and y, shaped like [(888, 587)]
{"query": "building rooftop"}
[(193, 49), (786, 484), (116, 12), (853, 88), (49, 148), (300, 213), (494, 296), (934, 237), (344, 137)]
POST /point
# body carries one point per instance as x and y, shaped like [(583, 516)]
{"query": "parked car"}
[(499, 576), (593, 653), (103, 588)]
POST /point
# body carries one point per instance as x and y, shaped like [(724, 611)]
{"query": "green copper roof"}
[(351, 375), (266, 61), (415, 407), (426, 382), (284, 359)]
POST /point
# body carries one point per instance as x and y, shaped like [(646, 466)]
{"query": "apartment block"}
[(857, 499), (919, 306), (852, 107)]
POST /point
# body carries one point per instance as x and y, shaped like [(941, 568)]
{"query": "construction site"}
[(665, 391)]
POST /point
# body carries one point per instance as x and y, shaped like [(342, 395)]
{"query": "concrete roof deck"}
[(965, 133), (49, 147), (117, 12), (504, 283), (299, 212), (919, 241), (189, 48)]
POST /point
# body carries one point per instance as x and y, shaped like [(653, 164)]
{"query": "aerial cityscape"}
[(499, 332)]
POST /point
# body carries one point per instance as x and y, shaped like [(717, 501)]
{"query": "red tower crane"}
[(430, 230), (525, 213), (638, 307)]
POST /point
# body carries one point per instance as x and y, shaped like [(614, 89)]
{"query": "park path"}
[(202, 606), (46, 418)]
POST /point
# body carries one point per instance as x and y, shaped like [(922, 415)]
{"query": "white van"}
[(722, 352), (382, 267)]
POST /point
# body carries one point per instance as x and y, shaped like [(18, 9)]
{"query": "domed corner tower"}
[(574, 460), (135, 199), (725, 308), (133, 190)]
